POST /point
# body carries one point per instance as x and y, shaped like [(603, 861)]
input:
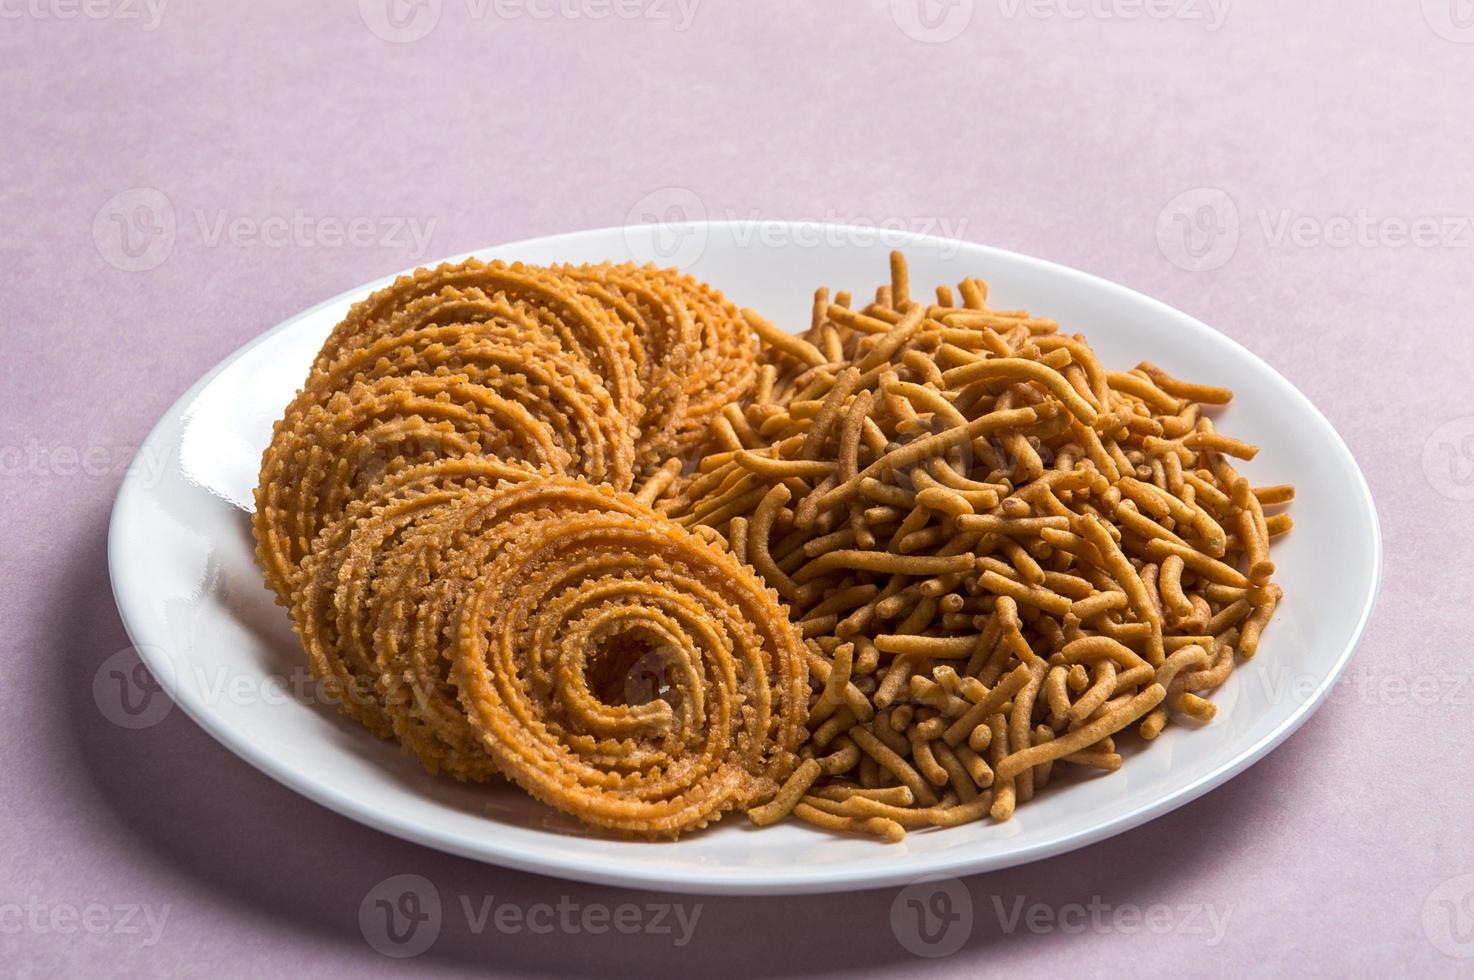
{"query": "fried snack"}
[(506, 350), (994, 556), (579, 324), (417, 585), (663, 339), (333, 605), (1001, 555), (620, 668), (723, 364), (324, 458)]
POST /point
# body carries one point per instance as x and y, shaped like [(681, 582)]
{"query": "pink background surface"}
[(1060, 136)]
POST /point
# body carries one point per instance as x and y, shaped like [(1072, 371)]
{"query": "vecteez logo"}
[(1448, 917), (932, 21), (400, 21), (1448, 458), (403, 916), (135, 229), (1452, 20), (932, 917), (400, 917), (127, 694), (1199, 229), (667, 227)]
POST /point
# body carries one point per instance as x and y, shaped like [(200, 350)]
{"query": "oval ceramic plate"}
[(180, 555)]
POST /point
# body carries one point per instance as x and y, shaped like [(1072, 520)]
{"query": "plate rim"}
[(728, 881)]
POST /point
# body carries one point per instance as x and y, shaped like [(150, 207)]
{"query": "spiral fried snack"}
[(722, 367), (579, 324), (1001, 554), (325, 457), (419, 583), (333, 606), (663, 341), (509, 355), (614, 665)]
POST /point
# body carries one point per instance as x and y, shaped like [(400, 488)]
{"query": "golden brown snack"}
[(624, 670), (663, 343), (417, 587), (723, 365), (325, 457), (1000, 554), (508, 354), (333, 606), (997, 556), (579, 324)]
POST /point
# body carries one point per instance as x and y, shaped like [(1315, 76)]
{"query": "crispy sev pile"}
[(1000, 553)]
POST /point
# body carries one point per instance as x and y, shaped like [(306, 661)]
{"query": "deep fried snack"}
[(626, 671), (321, 460), (417, 585), (1000, 554), (663, 341), (723, 363), (579, 323), (333, 606), (997, 556), (505, 350)]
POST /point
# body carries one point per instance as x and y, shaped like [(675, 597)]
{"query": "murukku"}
[(622, 669), (419, 583), (321, 460), (333, 606), (723, 363), (580, 324), (508, 355), (663, 342)]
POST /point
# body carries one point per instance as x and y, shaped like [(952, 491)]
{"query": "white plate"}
[(180, 554)]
